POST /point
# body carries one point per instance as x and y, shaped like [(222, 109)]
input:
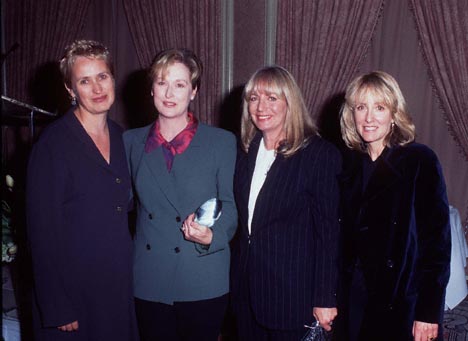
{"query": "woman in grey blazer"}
[(181, 268)]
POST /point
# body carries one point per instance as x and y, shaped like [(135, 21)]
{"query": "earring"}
[(73, 101), (393, 124)]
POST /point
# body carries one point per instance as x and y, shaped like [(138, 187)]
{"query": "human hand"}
[(196, 233), (325, 317), (69, 327), (423, 331)]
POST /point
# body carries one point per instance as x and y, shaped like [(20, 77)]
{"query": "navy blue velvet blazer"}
[(399, 227), (291, 261)]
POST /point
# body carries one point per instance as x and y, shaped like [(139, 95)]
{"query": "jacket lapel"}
[(157, 167), (272, 177), (85, 141), (384, 176), (252, 156)]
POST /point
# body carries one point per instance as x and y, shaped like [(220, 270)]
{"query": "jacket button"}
[(119, 208), (177, 249), (118, 180), (150, 216), (178, 219), (390, 263), (148, 247)]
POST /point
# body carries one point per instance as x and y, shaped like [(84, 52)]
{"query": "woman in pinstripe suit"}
[(284, 265)]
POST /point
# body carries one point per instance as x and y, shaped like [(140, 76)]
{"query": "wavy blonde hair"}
[(383, 86), (298, 125)]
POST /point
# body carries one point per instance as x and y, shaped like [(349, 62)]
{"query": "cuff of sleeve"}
[(216, 244)]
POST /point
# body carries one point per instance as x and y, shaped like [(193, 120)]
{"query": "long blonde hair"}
[(298, 125), (381, 85)]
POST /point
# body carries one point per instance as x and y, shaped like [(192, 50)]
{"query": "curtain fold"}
[(42, 29), (322, 43), (158, 25), (443, 33)]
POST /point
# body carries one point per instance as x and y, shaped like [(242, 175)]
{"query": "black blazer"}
[(81, 246), (290, 263), (399, 227)]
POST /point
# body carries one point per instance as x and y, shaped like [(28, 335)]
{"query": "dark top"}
[(401, 225), (77, 229), (289, 261)]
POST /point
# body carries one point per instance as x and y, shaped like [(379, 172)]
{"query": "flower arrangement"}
[(9, 248)]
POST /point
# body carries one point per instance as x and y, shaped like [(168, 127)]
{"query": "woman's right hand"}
[(69, 327), (325, 317), (423, 331), (196, 233)]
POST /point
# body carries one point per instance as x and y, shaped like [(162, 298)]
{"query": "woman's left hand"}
[(423, 331), (196, 233), (325, 316)]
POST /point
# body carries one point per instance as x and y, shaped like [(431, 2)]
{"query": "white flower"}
[(8, 252), (10, 182)]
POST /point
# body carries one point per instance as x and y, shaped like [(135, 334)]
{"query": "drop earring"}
[(73, 101)]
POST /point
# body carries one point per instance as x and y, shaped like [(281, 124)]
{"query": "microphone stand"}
[(31, 114)]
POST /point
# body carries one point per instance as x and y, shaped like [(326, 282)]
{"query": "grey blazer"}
[(168, 268)]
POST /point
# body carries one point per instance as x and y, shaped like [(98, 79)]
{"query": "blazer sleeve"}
[(434, 245), (46, 190), (326, 225), (225, 226), (128, 140)]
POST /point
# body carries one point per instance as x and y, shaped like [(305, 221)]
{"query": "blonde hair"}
[(381, 85), (83, 48), (187, 57), (298, 125)]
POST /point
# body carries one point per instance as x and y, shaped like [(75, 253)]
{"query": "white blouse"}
[(265, 159)]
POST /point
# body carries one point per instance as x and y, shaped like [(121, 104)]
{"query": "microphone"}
[(13, 47)]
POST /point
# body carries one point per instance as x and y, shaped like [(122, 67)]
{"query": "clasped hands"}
[(195, 232)]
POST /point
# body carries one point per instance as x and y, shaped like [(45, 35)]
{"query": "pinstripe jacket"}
[(290, 258)]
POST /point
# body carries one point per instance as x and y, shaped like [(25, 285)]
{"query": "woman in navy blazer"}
[(77, 202), (395, 220), (284, 266), (181, 268)]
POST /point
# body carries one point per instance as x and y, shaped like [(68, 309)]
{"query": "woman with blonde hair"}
[(395, 219), (181, 264), (284, 266), (77, 201)]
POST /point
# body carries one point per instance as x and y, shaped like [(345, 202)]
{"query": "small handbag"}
[(208, 212), (316, 333)]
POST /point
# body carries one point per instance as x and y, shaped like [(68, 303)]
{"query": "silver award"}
[(208, 212)]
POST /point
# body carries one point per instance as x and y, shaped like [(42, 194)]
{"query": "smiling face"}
[(373, 119), (172, 91), (268, 112), (93, 85)]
